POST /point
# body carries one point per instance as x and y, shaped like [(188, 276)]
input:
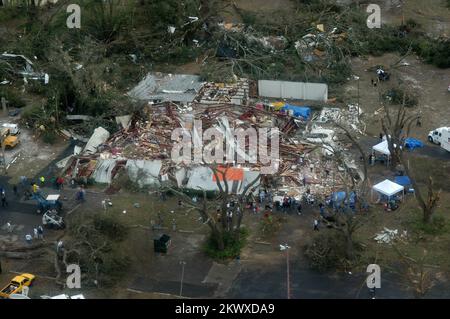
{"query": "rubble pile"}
[(146, 139), (143, 147), (233, 93)]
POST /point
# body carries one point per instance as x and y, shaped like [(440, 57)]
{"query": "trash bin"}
[(161, 243)]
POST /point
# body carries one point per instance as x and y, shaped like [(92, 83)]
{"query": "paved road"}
[(429, 150), (254, 282)]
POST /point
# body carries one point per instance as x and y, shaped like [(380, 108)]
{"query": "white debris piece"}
[(386, 236), (99, 137)]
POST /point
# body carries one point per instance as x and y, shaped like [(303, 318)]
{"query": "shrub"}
[(13, 98), (49, 137), (31, 113), (270, 224), (395, 96), (110, 227), (326, 251), (437, 226), (232, 246), (112, 268)]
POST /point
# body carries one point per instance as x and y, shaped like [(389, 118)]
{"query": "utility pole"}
[(182, 263), (358, 95), (288, 279), (3, 137), (288, 275), (357, 79)]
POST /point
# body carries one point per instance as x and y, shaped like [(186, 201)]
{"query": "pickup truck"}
[(7, 138), (16, 285)]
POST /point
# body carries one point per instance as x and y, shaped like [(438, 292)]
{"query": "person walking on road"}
[(9, 227), (316, 224), (35, 232), (59, 247), (40, 232), (4, 201), (42, 180), (15, 190)]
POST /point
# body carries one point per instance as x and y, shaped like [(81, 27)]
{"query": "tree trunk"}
[(218, 236), (429, 204), (427, 213), (349, 246)]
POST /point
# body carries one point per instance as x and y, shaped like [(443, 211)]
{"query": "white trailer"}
[(440, 136)]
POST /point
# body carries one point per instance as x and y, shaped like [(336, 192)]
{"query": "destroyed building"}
[(142, 149)]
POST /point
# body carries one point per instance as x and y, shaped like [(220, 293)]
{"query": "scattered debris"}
[(386, 236), (21, 65)]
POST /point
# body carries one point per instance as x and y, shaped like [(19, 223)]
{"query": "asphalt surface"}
[(428, 149), (253, 282)]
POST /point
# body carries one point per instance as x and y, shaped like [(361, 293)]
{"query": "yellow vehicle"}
[(7, 139), (16, 285)]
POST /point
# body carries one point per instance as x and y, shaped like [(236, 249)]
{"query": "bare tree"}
[(214, 212), (417, 274), (429, 203), (396, 126)]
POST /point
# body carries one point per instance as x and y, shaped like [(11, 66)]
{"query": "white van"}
[(440, 136), (13, 128)]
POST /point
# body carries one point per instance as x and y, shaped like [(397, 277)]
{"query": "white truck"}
[(440, 136)]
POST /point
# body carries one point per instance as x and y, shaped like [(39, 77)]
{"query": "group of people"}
[(38, 233)]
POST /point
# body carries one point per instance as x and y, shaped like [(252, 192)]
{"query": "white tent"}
[(382, 148), (388, 188)]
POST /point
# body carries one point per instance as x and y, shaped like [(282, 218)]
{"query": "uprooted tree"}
[(95, 250), (223, 219)]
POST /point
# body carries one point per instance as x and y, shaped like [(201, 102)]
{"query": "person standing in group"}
[(262, 196), (35, 232), (299, 209), (40, 232), (23, 181), (322, 209)]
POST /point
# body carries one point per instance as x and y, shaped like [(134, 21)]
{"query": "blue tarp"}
[(413, 143), (299, 111), (338, 197), (402, 180)]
